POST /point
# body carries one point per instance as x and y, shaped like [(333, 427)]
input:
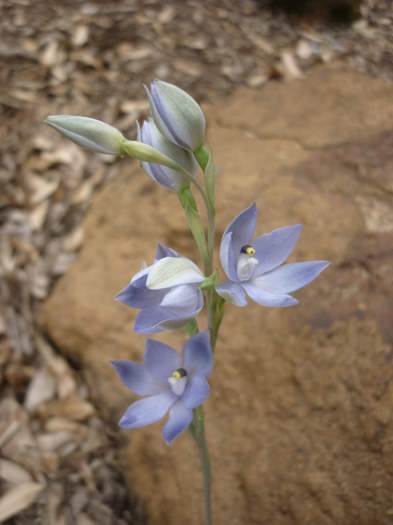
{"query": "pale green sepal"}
[(177, 115), (91, 134), (209, 282), (146, 153), (173, 271)]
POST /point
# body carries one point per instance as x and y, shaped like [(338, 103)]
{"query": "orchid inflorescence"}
[(173, 290)]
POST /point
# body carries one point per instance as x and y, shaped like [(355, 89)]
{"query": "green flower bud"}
[(177, 115), (89, 133)]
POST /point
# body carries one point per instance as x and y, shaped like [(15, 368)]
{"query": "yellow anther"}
[(248, 250), (179, 373)]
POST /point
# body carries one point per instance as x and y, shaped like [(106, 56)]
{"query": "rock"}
[(300, 420)]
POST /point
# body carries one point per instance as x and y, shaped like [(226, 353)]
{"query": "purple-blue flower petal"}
[(196, 391), (197, 354), (161, 360), (156, 319), (180, 418), (242, 229), (182, 301), (136, 295), (273, 248), (227, 257), (232, 292), (148, 410), (290, 277), (151, 320), (161, 117), (265, 298), (135, 377), (164, 251)]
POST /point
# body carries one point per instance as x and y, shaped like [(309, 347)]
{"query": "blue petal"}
[(161, 360), (273, 248), (135, 377), (242, 229), (232, 292), (164, 176), (180, 418), (164, 251), (156, 319), (136, 295), (148, 410), (290, 277), (163, 116), (183, 301), (227, 257), (267, 298), (196, 392), (198, 355)]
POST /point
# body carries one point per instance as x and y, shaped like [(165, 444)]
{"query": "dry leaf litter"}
[(58, 462)]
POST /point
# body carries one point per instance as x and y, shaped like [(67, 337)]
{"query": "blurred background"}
[(254, 60)]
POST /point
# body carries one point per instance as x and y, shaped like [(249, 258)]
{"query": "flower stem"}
[(215, 307), (198, 433)]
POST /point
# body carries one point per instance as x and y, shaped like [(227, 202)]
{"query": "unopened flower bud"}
[(172, 179), (89, 133), (177, 115)]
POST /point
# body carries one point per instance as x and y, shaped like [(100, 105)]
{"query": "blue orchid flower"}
[(174, 180), (167, 292), (168, 381), (177, 115), (254, 268)]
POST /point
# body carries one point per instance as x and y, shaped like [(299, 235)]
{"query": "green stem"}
[(190, 207), (198, 433), (204, 158), (215, 306)]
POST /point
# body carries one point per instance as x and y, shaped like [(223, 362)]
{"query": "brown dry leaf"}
[(288, 66), (52, 54), (60, 424), (2, 326), (16, 439), (167, 14), (135, 107), (54, 497), (83, 519), (262, 44), (38, 215), (83, 193), (53, 441), (80, 35), (304, 49), (128, 51), (18, 499), (41, 388), (188, 67), (66, 385), (13, 473), (74, 240), (41, 188), (71, 407), (257, 80)]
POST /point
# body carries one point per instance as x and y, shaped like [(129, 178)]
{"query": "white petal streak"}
[(173, 271)]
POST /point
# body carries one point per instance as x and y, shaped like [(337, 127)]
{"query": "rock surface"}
[(300, 419)]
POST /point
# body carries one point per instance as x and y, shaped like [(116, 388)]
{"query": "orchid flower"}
[(177, 115), (168, 381), (255, 268), (167, 292), (149, 134)]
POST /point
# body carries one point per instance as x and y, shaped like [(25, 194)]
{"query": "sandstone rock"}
[(300, 419)]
